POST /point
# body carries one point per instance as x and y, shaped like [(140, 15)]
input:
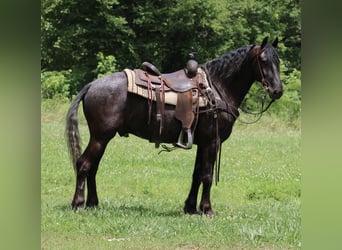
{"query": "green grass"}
[(142, 194)]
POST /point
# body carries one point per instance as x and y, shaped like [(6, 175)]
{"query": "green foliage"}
[(105, 65), (55, 84), (289, 106), (163, 32), (73, 33)]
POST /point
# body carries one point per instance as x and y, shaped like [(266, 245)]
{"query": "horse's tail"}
[(71, 130)]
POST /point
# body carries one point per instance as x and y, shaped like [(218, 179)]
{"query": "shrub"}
[(105, 65), (55, 84), (288, 107)]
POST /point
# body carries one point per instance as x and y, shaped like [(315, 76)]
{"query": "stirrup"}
[(185, 144)]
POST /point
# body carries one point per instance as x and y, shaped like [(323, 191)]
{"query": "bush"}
[(288, 107), (106, 65), (55, 84)]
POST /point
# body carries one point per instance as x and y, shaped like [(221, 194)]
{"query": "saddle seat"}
[(176, 81)]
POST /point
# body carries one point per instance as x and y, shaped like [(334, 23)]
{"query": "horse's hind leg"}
[(86, 167)]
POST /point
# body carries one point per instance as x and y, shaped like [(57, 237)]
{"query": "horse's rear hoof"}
[(77, 208), (76, 205)]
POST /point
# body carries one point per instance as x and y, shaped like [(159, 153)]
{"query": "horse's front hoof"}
[(210, 213), (207, 211), (190, 210), (91, 203)]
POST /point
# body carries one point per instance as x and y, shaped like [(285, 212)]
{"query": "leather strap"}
[(149, 99)]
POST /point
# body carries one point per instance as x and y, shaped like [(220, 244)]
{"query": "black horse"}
[(109, 108)]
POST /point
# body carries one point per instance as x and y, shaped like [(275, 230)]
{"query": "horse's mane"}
[(227, 64)]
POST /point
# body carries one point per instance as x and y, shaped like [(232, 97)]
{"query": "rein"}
[(260, 113), (265, 85)]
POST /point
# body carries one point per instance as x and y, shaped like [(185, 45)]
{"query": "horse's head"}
[(268, 68)]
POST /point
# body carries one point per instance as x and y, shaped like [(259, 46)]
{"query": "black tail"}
[(71, 131)]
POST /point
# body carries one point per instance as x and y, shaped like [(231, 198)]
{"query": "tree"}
[(74, 32)]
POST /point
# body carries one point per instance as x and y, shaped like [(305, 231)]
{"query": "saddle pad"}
[(170, 96)]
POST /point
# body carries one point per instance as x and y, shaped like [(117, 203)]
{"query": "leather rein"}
[(265, 84)]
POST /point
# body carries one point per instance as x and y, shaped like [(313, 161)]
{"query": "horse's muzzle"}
[(275, 93)]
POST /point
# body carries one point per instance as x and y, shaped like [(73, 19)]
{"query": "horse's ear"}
[(275, 43), (264, 42)]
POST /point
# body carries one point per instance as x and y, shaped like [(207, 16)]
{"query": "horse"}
[(110, 109)]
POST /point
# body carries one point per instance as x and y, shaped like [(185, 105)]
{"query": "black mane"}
[(226, 65)]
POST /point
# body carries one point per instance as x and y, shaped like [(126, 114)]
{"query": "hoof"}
[(207, 211), (190, 210), (210, 214), (92, 203), (77, 207), (77, 204)]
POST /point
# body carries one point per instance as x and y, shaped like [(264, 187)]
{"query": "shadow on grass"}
[(147, 211), (125, 210)]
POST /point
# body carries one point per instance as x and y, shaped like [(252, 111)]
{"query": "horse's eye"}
[(263, 57)]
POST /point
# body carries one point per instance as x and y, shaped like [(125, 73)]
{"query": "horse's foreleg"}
[(205, 205), (87, 166), (191, 201), (209, 156)]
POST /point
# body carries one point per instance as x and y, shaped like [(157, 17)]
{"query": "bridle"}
[(265, 84), (263, 79)]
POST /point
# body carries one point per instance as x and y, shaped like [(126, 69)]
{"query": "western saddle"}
[(188, 83)]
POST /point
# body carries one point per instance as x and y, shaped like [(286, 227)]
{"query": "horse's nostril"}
[(277, 93)]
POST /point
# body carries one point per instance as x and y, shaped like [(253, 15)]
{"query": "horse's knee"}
[(207, 179)]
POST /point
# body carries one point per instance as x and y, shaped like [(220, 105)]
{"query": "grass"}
[(142, 194)]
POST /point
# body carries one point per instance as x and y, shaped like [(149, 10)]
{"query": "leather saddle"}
[(187, 87), (177, 81)]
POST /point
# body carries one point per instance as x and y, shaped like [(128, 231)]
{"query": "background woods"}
[(80, 42)]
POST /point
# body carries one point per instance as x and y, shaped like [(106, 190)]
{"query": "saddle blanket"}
[(170, 96)]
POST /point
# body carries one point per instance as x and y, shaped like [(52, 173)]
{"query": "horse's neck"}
[(232, 74), (233, 89), (240, 86)]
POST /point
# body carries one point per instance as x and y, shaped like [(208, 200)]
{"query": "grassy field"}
[(142, 194)]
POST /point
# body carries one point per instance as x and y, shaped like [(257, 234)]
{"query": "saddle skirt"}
[(137, 84)]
